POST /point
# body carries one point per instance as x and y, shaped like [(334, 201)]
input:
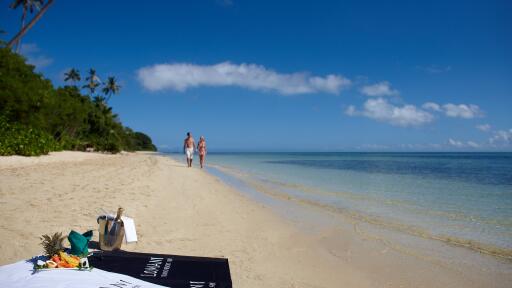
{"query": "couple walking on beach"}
[(189, 146)]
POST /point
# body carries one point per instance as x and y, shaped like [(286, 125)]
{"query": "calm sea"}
[(460, 198)]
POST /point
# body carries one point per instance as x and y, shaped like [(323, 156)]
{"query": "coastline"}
[(188, 211), (256, 188)]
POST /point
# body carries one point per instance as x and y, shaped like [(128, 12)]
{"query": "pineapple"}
[(52, 245)]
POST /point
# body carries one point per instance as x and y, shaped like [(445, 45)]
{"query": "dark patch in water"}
[(483, 169)]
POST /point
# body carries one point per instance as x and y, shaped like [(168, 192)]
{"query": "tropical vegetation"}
[(36, 117)]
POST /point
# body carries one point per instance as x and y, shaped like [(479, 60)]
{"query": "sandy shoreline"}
[(188, 211)]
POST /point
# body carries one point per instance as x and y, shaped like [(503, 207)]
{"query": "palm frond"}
[(16, 3)]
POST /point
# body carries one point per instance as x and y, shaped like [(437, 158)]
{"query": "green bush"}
[(112, 147), (17, 139)]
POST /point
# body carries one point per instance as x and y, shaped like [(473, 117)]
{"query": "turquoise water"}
[(460, 198)]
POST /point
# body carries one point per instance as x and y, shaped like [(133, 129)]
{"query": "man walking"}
[(188, 147)]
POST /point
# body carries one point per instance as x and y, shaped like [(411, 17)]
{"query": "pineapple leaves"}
[(52, 245)]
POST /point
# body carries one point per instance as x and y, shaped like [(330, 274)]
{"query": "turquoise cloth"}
[(79, 242)]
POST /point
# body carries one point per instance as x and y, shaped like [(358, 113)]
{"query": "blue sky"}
[(293, 75)]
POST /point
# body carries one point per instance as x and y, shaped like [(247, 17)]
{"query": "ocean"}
[(462, 199)]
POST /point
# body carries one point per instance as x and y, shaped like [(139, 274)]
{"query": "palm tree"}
[(111, 87), (93, 81), (72, 75), (28, 5)]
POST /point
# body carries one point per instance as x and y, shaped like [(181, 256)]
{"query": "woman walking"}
[(201, 147)]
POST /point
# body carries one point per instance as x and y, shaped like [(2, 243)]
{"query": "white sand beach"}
[(185, 211)]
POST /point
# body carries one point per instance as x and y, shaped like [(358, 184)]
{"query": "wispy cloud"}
[(461, 144), (373, 147), (466, 111), (462, 111), (351, 111), (32, 53), (455, 143), (381, 110), (434, 69), (379, 89), (501, 138), (432, 106), (483, 127), (182, 76), (450, 144)]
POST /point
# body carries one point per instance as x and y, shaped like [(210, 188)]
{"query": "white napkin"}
[(130, 235)]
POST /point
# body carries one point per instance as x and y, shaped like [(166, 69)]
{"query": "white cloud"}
[(351, 110), (462, 111), (483, 127), (460, 144), (432, 106), (182, 76), (451, 143), (501, 138), (379, 89), (466, 111), (32, 53), (455, 143), (381, 110)]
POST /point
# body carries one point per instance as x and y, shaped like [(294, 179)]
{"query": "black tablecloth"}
[(166, 270)]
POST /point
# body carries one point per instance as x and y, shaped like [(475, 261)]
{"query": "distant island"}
[(37, 118)]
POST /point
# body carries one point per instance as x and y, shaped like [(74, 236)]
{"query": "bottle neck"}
[(119, 214)]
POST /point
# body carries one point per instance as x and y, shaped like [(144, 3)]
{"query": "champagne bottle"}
[(120, 211), (116, 233)]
